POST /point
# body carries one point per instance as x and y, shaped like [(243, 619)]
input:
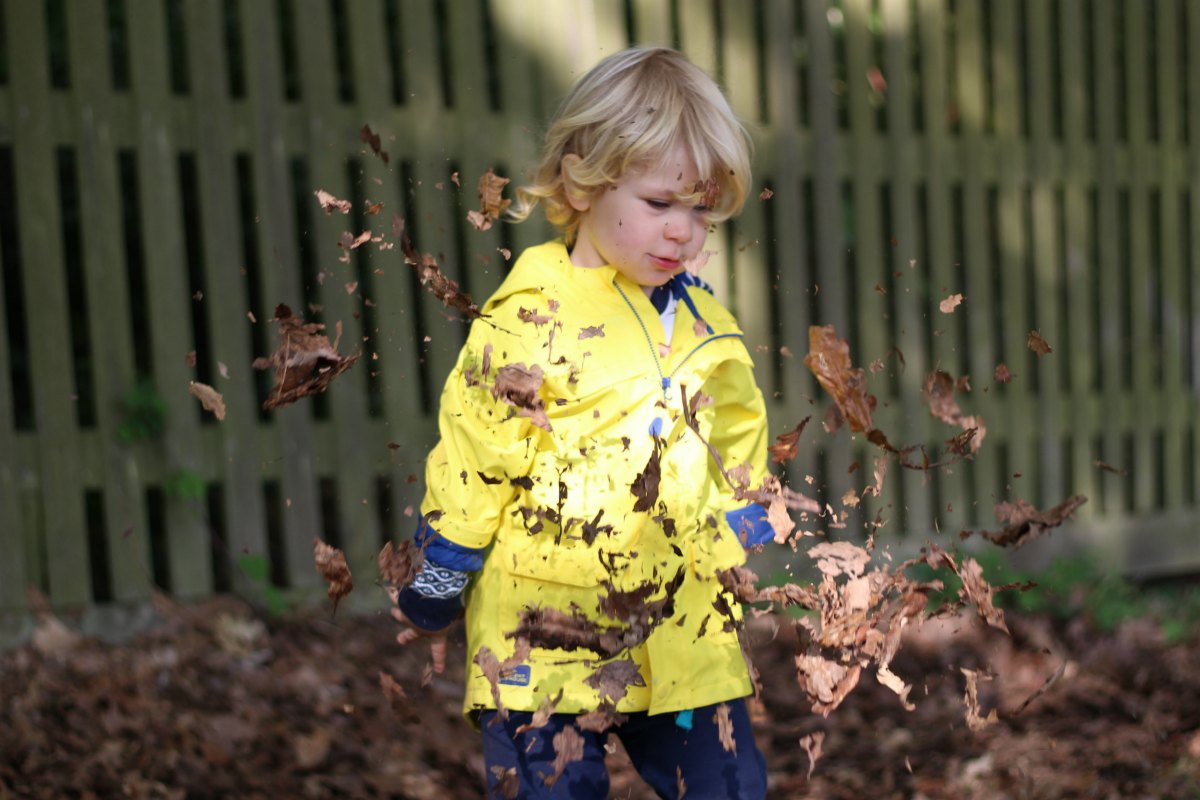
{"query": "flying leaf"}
[(305, 363), (1024, 522), (430, 276), (971, 700), (811, 743), (829, 360), (697, 262), (491, 203), (331, 565), (1037, 344), (1002, 375), (329, 203), (399, 565), (209, 397), (372, 139), (952, 302), (787, 444)]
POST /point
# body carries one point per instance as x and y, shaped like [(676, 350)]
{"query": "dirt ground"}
[(218, 703)]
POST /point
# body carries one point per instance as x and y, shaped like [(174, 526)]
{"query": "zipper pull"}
[(666, 385)]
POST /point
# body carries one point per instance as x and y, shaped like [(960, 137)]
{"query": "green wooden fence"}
[(157, 166)]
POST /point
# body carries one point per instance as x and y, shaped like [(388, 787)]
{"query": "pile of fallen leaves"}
[(217, 702)]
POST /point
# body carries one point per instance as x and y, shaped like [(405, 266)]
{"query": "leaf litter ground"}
[(217, 702)]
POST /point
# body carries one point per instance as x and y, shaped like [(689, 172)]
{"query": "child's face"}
[(640, 225)]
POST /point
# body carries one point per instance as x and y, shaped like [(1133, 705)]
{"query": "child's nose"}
[(678, 229)]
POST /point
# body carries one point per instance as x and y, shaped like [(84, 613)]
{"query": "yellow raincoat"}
[(606, 379)]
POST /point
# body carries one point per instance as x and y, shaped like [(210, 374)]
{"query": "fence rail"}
[(157, 166)]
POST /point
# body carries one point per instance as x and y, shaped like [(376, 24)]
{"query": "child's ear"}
[(579, 198)]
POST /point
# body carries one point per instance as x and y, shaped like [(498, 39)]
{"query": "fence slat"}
[(1146, 352), (188, 557), (1108, 258), (1080, 266), (330, 137), (1042, 476), (911, 497), (1171, 293), (291, 427), (394, 346), (226, 302), (108, 308), (48, 333)]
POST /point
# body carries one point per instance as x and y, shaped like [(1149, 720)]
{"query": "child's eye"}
[(659, 205), (702, 209)]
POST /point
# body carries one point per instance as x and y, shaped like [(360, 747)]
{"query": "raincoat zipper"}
[(665, 380)]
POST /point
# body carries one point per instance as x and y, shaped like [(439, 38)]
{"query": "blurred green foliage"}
[(258, 570), (145, 414), (1076, 586)]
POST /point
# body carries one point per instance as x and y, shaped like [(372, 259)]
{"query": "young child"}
[(568, 479)]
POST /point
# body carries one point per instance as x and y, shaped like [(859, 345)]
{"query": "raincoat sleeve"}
[(739, 434), (484, 442)]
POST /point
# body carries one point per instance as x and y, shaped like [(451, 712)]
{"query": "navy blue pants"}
[(657, 745)]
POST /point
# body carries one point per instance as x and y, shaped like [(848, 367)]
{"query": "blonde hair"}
[(628, 113)]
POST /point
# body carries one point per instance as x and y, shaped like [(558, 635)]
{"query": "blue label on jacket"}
[(520, 676)]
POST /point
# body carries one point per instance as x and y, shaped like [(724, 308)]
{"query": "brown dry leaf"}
[(1024, 522), (331, 565), (780, 520), (1109, 468), (568, 748), (952, 302), (938, 394), (680, 783), (312, 749), (397, 698), (971, 700), (496, 670), (430, 276), (491, 203), (372, 139), (829, 360), (645, 485), (893, 681), (543, 713), (590, 331), (612, 680), (725, 728), (787, 444), (508, 784), (329, 203), (765, 194), (839, 558), (190, 358), (812, 748), (825, 682), (1002, 375), (530, 315), (209, 397), (1037, 344), (399, 565), (305, 363), (698, 262), (979, 592), (518, 386)]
